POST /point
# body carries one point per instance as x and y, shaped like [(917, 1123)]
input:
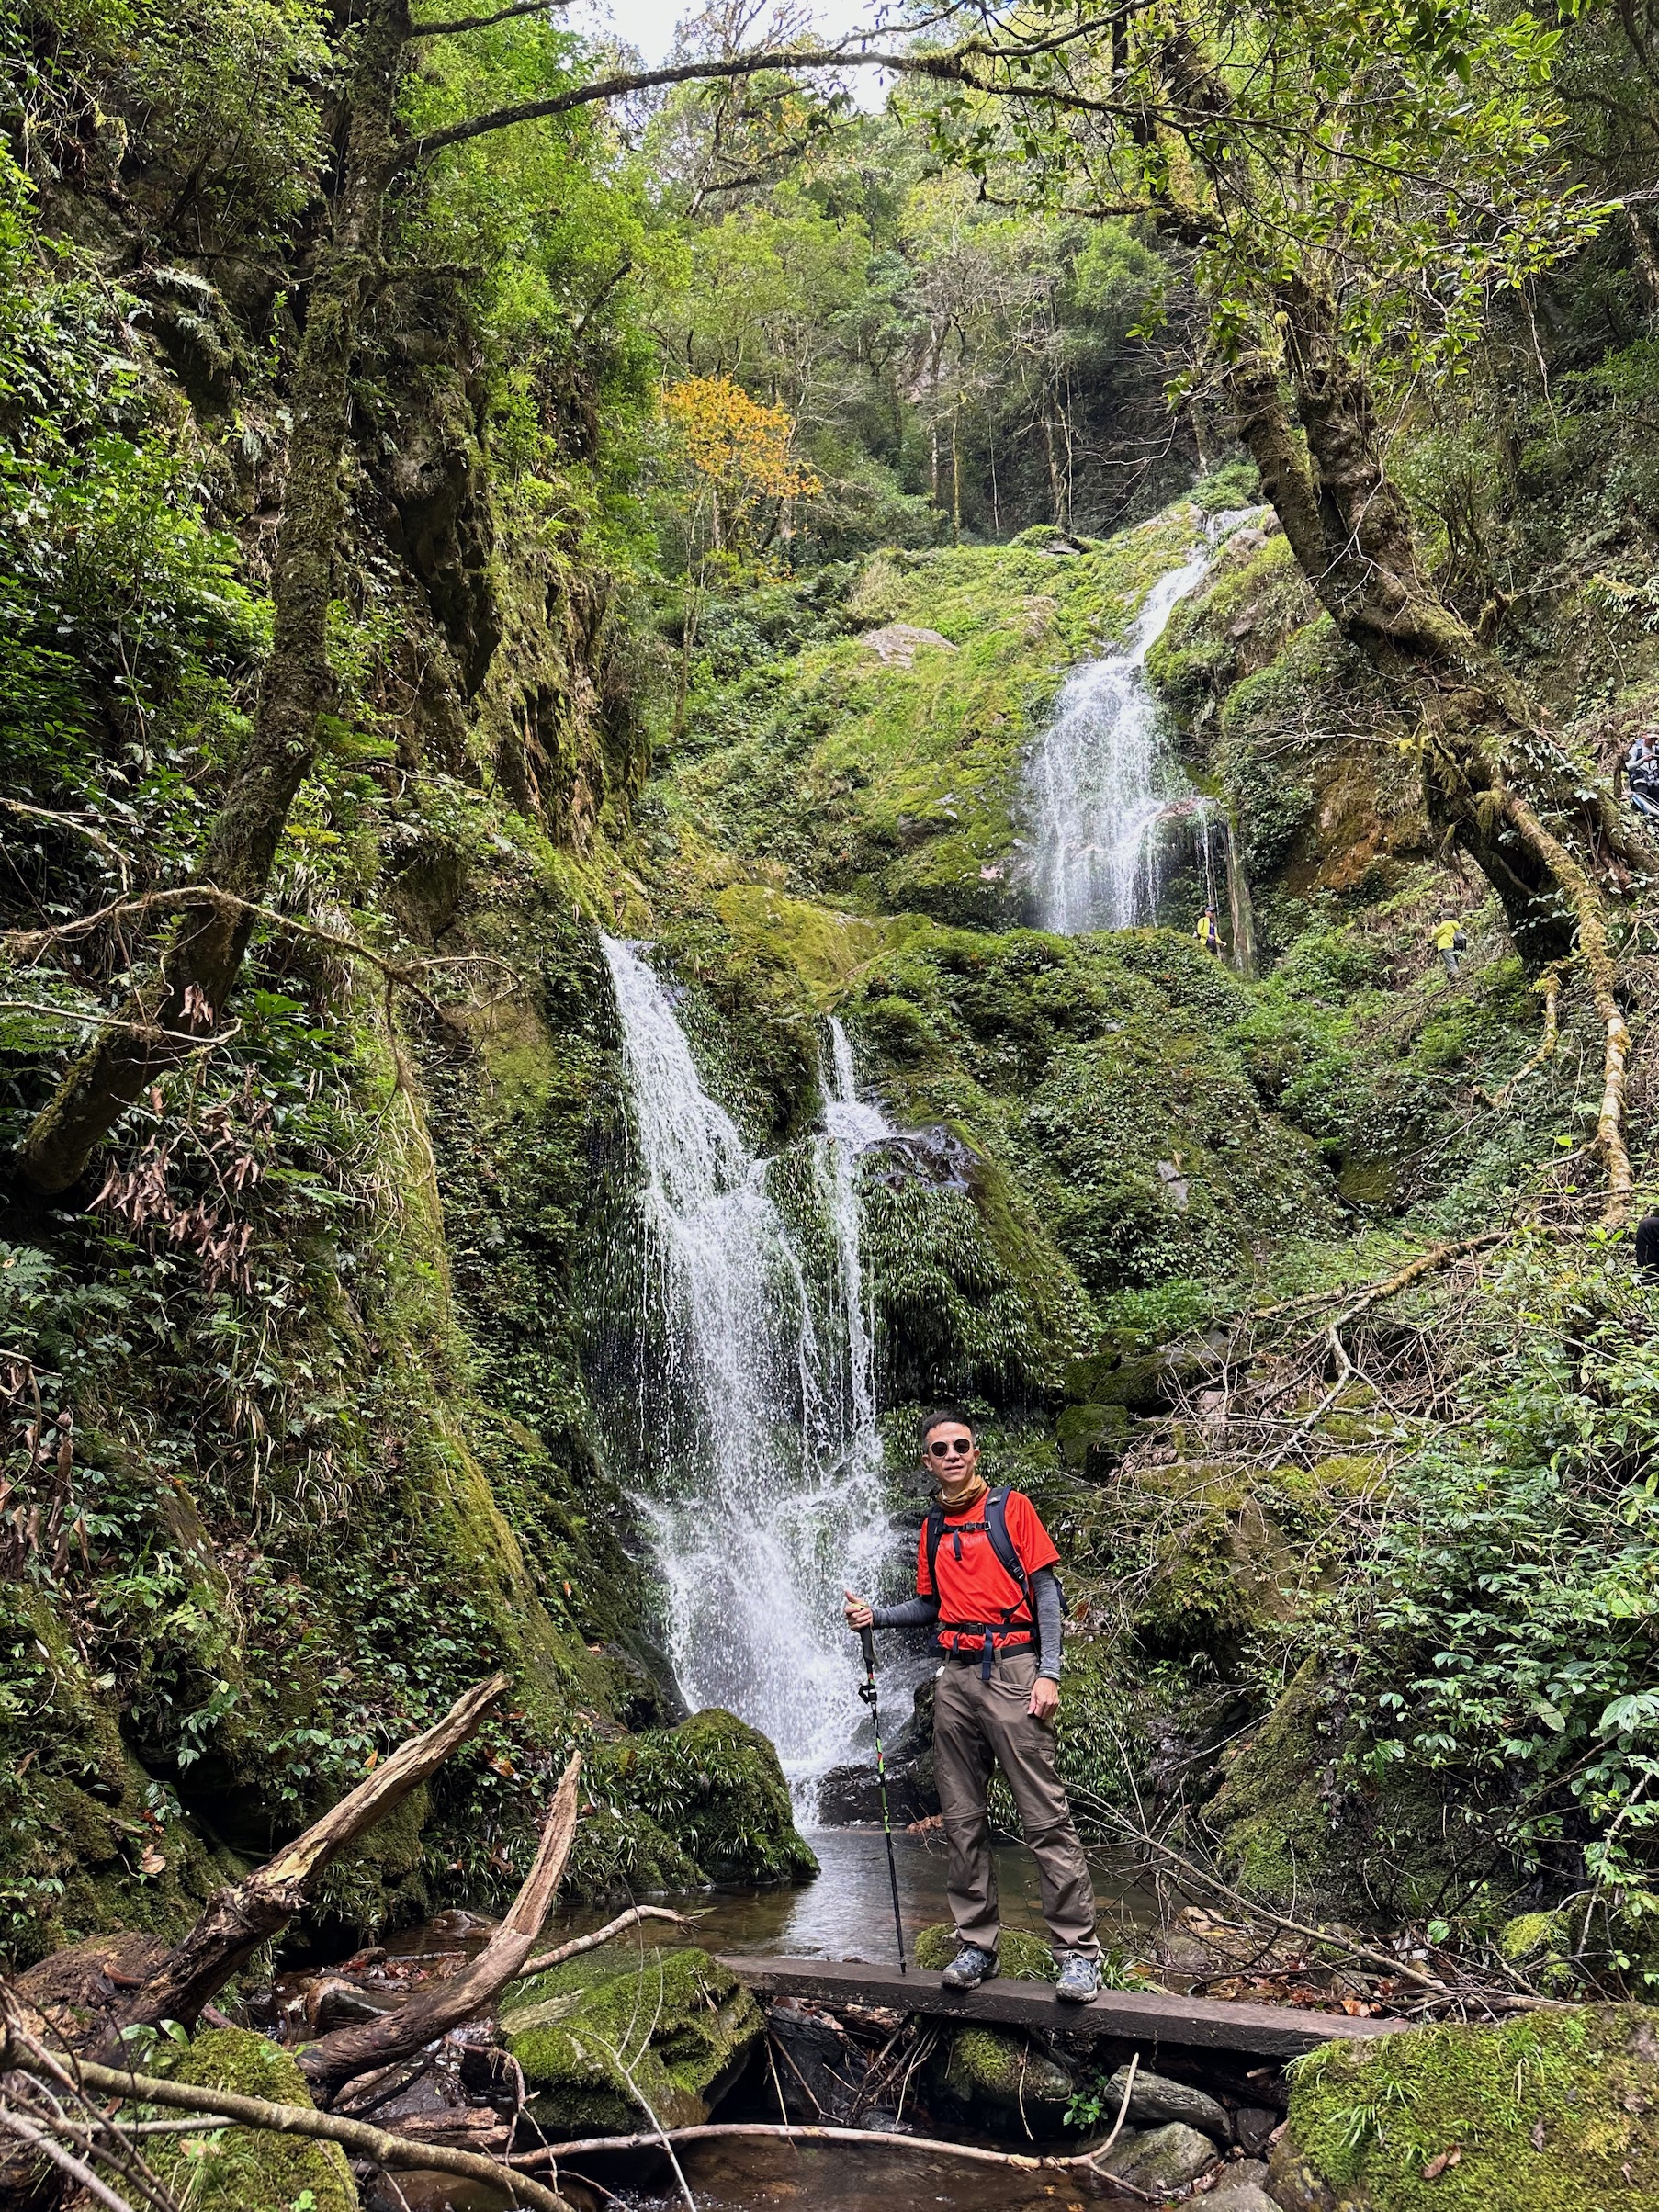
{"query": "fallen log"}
[(239, 1919), (331, 2061)]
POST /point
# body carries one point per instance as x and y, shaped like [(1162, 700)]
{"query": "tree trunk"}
[(199, 967), (1351, 532)]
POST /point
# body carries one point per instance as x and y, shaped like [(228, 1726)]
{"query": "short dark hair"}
[(937, 1419)]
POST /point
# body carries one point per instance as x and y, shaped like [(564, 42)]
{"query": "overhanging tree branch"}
[(454, 29)]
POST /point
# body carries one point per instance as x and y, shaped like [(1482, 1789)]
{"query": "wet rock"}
[(333, 2002), (1246, 2172), (1007, 2082), (819, 2066), (847, 1796), (1162, 2158), (1241, 2197), (570, 2028), (1155, 2099), (1252, 2126)]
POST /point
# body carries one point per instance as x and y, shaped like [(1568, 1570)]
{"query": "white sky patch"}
[(649, 24)]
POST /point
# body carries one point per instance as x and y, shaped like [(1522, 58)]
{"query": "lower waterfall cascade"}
[(767, 1500)]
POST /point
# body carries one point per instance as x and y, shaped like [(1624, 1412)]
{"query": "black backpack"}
[(995, 1526)]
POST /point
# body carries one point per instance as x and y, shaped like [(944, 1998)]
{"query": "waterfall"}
[(765, 1496), (1096, 782), (1099, 781)]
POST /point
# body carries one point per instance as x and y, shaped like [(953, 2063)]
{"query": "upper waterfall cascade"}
[(768, 1496), (1099, 781)]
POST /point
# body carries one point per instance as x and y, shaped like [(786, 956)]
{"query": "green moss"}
[(1553, 2111), (1021, 1957), (898, 788), (680, 2022), (1006, 2080), (243, 2169), (714, 1786), (1275, 1824)]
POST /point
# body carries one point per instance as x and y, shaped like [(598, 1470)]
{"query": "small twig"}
[(1102, 2149), (578, 1944)]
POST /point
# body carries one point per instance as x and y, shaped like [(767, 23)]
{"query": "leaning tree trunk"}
[(1350, 530), (186, 1001)]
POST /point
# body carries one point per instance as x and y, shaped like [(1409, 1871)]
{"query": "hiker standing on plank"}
[(985, 1579)]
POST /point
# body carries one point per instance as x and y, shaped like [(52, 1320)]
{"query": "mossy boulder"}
[(678, 2022), (713, 1789), (245, 2169), (1007, 2081), (1558, 2112)]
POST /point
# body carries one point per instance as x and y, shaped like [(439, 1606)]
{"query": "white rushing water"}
[(767, 1495), (1100, 781)]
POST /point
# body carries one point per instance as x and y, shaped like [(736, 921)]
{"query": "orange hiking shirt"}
[(974, 1584)]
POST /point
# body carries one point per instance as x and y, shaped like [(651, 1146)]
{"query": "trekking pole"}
[(867, 1690)]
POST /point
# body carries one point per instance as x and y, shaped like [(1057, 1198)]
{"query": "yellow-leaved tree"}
[(744, 478)]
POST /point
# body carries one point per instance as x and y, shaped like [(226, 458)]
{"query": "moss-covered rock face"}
[(245, 2169), (1555, 2112), (891, 780), (678, 2023)]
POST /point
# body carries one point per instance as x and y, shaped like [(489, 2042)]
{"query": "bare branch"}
[(330, 2064), (465, 23), (358, 2136)]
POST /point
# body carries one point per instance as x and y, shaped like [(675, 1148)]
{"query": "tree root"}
[(1549, 985), (1603, 971)]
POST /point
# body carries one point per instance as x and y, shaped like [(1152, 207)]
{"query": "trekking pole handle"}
[(867, 1637)]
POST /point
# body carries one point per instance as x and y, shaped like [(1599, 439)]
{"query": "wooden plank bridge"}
[(1150, 2019)]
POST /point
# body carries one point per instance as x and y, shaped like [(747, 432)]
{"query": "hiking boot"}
[(970, 1966), (1080, 1982)]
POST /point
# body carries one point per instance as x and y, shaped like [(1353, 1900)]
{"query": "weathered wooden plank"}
[(1262, 2031)]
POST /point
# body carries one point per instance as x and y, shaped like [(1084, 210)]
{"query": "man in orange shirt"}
[(985, 1577)]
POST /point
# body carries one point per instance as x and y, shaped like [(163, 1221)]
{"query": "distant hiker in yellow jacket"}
[(1208, 936), (1450, 943)]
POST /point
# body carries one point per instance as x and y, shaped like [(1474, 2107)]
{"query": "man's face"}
[(950, 1454)]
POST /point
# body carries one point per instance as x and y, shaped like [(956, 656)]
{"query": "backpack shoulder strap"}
[(1002, 1543), (934, 1526)]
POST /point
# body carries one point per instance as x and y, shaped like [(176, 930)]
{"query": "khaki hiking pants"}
[(978, 1725)]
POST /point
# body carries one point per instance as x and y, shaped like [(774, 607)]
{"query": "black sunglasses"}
[(952, 1448)]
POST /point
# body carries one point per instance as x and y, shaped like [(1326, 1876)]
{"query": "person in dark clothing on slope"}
[(995, 1702), (1647, 1246)]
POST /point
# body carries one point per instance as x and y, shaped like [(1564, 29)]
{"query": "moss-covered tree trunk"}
[(187, 998), (1493, 776)]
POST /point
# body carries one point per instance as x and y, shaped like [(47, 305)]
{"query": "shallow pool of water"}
[(848, 1912)]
